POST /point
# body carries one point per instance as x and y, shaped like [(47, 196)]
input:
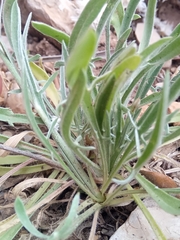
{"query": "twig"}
[(55, 58), (32, 155), (94, 225)]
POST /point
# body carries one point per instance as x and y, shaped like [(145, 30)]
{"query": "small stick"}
[(55, 58), (38, 157)]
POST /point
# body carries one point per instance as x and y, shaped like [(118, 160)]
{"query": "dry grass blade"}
[(15, 169), (12, 221), (32, 182), (13, 141), (94, 225)]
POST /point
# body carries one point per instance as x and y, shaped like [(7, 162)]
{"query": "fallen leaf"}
[(3, 88), (175, 120), (159, 179), (13, 141), (15, 101), (174, 107), (176, 72)]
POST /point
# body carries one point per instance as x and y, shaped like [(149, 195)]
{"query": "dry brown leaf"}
[(13, 141), (177, 70), (31, 183), (3, 88), (1, 84), (159, 179), (14, 101), (149, 92), (174, 107), (143, 109)]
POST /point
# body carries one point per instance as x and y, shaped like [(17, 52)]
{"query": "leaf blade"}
[(167, 202)]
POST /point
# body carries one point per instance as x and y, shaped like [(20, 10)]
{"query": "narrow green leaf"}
[(168, 52), (129, 13), (42, 192), (69, 224), (108, 64), (136, 16), (175, 90), (159, 127), (88, 15), (167, 202), (130, 63), (108, 91), (152, 49), (6, 18), (149, 217), (173, 136), (111, 6), (26, 170), (90, 113), (149, 24), (51, 32), (155, 137), (107, 34), (122, 39), (124, 53), (147, 82), (71, 106), (117, 18), (80, 56), (62, 74), (136, 77), (12, 159), (104, 100), (23, 217), (151, 98), (16, 36), (26, 29), (6, 115), (148, 118), (176, 31), (34, 58)]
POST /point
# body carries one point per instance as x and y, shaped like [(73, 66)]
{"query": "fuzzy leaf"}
[(51, 32), (88, 15), (71, 106), (156, 136), (167, 202), (80, 56), (6, 18), (6, 115), (23, 217), (69, 223), (108, 91)]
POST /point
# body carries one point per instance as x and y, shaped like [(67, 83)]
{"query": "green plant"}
[(95, 117)]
